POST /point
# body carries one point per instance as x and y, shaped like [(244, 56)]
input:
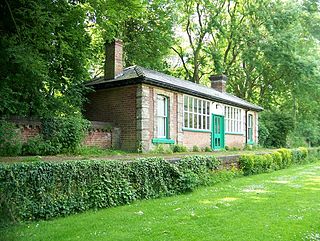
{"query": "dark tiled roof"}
[(137, 74)]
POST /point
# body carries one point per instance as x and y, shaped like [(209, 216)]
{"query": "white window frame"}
[(196, 113), (233, 120)]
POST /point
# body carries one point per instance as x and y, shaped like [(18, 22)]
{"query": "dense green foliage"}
[(283, 158), (275, 128), (10, 142), (41, 190), (58, 135), (268, 49)]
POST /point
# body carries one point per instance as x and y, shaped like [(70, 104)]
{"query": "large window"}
[(196, 113), (162, 116), (233, 119)]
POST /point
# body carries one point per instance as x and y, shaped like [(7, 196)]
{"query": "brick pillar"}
[(218, 82), (113, 60)]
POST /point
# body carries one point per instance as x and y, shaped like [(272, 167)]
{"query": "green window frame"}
[(162, 117), (162, 121), (250, 129)]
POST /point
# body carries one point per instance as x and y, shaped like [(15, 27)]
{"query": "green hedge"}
[(42, 190), (283, 158)]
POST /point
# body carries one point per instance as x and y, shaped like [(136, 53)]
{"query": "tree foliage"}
[(268, 49)]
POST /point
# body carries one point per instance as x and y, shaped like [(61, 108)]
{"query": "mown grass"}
[(282, 205)]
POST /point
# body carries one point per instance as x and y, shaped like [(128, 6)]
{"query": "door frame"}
[(222, 132)]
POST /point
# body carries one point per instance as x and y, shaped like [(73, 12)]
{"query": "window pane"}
[(161, 106), (195, 121), (190, 120), (185, 102), (186, 120), (161, 127), (204, 107), (208, 108), (199, 106), (208, 123), (195, 105), (190, 104), (204, 122)]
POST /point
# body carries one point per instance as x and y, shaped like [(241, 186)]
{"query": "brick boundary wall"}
[(101, 134)]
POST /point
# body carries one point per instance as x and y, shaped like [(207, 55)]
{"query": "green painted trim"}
[(162, 141), (222, 134), (196, 130), (234, 133), (250, 142), (168, 118)]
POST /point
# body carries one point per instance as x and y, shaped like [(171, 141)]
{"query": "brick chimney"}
[(113, 64), (218, 82)]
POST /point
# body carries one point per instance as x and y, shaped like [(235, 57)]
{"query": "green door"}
[(217, 137)]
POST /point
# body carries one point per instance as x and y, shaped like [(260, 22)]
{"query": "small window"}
[(162, 116), (250, 128)]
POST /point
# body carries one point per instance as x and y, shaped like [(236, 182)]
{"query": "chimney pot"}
[(218, 82), (113, 59)]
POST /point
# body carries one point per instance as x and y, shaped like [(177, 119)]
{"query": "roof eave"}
[(146, 80)]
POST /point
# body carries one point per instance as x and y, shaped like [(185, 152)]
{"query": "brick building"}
[(152, 108)]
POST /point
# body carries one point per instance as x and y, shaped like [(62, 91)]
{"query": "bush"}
[(207, 149), (58, 135), (65, 134), (283, 158), (10, 139), (38, 146), (42, 190), (275, 127), (179, 148), (162, 149), (196, 148)]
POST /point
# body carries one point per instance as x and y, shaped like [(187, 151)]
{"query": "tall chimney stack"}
[(113, 64), (218, 82)]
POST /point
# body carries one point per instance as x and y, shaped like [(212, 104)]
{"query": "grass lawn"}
[(283, 205)]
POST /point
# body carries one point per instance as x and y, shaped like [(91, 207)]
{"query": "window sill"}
[(195, 130), (162, 141), (234, 133)]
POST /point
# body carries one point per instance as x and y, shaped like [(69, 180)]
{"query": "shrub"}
[(42, 190), (65, 134), (286, 157), (162, 149), (10, 139), (179, 148), (277, 160), (247, 164), (254, 164), (207, 149), (196, 148), (38, 146)]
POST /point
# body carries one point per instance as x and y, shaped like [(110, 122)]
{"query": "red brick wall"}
[(28, 132), (235, 140), (98, 138), (200, 139), (95, 137), (116, 105)]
